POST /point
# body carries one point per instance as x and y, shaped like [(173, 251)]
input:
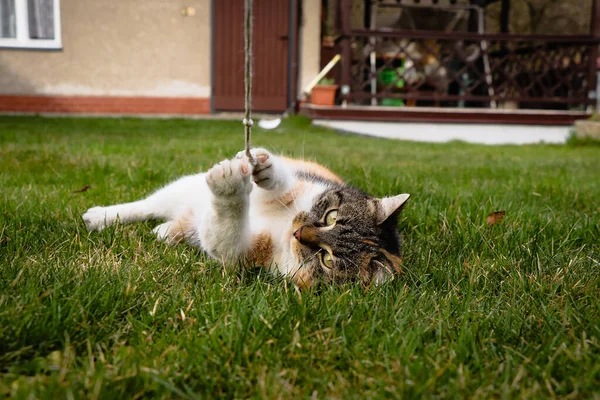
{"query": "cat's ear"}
[(391, 206), (384, 268)]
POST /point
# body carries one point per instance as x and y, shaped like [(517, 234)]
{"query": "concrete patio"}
[(492, 134)]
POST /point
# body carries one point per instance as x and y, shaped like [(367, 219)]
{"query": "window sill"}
[(30, 44)]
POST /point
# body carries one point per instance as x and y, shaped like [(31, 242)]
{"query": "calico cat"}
[(294, 217)]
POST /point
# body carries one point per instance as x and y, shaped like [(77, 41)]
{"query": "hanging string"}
[(248, 75)]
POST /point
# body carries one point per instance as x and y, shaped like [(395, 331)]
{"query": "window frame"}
[(22, 39)]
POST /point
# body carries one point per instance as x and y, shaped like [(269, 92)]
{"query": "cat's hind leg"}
[(170, 203), (98, 218)]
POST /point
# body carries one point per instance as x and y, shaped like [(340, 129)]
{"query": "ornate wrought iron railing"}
[(468, 69), (458, 69)]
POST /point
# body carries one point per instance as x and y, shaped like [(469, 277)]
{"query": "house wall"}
[(133, 48), (130, 57), (310, 43)]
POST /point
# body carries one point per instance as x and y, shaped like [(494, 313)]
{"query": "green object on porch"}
[(392, 102), (391, 77), (388, 76)]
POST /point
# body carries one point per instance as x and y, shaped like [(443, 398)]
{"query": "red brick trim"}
[(104, 104)]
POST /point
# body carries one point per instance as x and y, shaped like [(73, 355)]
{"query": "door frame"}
[(292, 68)]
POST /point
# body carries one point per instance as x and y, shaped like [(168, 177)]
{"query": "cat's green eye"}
[(331, 217), (327, 259)]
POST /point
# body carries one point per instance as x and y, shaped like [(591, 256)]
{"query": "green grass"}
[(511, 310)]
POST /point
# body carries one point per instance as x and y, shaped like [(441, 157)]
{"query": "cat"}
[(293, 217)]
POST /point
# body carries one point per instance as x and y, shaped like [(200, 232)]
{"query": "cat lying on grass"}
[(294, 217)]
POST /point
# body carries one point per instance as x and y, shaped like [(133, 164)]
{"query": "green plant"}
[(327, 81)]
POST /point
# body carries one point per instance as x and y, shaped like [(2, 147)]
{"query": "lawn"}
[(510, 310)]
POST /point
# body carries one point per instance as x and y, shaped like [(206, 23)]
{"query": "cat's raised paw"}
[(97, 218), (263, 173), (230, 178)]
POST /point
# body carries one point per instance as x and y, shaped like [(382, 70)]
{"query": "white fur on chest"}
[(193, 197), (277, 221)]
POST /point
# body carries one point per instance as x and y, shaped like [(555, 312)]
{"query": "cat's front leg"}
[(224, 232)]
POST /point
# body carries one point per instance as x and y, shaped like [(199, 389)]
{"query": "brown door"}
[(270, 55)]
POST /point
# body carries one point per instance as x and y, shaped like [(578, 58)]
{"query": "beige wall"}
[(116, 47), (310, 43), (135, 48)]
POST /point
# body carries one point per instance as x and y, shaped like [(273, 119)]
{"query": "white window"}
[(30, 24)]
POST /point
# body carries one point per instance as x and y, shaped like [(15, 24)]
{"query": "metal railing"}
[(468, 69)]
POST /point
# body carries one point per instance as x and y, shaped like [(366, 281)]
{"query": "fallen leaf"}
[(495, 218), (83, 189)]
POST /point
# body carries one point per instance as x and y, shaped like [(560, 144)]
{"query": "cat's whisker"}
[(349, 181), (295, 202), (284, 205), (294, 198), (349, 219), (305, 260), (303, 263), (352, 262)]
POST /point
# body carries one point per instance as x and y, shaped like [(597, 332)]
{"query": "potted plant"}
[(323, 94)]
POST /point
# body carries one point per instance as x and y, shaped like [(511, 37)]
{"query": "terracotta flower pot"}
[(323, 95)]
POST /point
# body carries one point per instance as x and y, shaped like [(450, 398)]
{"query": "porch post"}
[(505, 16), (595, 23), (367, 19), (347, 50), (593, 72)]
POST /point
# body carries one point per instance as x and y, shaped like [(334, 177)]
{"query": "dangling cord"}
[(248, 76)]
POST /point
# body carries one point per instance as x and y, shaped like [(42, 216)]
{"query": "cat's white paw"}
[(97, 218), (162, 231), (263, 173), (169, 232), (230, 178)]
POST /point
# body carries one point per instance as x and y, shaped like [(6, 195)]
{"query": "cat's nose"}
[(308, 236), (298, 233)]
